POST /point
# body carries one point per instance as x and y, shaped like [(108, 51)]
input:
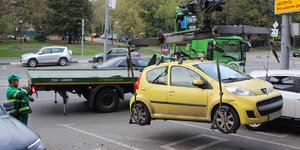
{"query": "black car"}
[(296, 53), (121, 63), (15, 135), (114, 52)]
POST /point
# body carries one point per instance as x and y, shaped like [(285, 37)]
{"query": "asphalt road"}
[(84, 129)]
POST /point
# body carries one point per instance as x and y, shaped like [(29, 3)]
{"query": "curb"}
[(74, 62)]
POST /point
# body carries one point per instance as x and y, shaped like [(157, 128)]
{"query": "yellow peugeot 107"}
[(190, 91)]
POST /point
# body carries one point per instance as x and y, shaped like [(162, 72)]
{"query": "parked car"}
[(95, 35), (297, 53), (48, 55), (287, 82), (15, 135), (190, 91), (112, 36), (121, 63), (114, 52)]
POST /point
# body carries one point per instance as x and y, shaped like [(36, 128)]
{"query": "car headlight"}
[(37, 145), (239, 91), (271, 86)]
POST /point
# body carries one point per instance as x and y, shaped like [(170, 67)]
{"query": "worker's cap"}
[(13, 77)]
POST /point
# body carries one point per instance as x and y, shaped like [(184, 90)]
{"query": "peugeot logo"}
[(265, 91)]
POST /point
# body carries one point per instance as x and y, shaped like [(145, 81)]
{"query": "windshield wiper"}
[(234, 79)]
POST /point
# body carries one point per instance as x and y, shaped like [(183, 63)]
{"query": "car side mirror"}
[(198, 83), (8, 106), (41, 53)]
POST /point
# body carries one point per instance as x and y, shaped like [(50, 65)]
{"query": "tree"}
[(64, 17)]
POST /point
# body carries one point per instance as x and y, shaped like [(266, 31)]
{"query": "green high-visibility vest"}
[(20, 99)]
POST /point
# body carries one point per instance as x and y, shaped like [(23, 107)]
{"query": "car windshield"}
[(232, 49), (37, 51), (227, 74), (112, 62)]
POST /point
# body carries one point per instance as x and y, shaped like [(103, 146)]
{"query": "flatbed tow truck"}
[(102, 88)]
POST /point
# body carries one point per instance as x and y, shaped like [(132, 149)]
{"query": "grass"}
[(258, 49), (15, 49)]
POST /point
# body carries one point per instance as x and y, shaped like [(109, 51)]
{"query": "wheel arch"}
[(216, 107)]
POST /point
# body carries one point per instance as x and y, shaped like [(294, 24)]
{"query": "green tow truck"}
[(102, 88)]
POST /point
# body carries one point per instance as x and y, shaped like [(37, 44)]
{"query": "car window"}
[(181, 76), (284, 83), (46, 51), (122, 50), (57, 50), (114, 51), (140, 62), (158, 76), (123, 64)]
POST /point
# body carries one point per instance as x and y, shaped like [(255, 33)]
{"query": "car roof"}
[(262, 73), (54, 47), (184, 63)]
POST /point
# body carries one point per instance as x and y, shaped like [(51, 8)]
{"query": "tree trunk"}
[(70, 39)]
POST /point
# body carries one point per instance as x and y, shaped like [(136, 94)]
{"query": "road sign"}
[(275, 25), (286, 6), (112, 4), (274, 32)]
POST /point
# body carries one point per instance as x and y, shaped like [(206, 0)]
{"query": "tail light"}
[(69, 53), (33, 90), (137, 55), (137, 83)]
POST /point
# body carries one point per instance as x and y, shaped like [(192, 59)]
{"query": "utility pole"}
[(82, 35), (285, 42), (227, 12), (106, 31)]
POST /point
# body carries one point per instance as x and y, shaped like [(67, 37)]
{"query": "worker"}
[(20, 97)]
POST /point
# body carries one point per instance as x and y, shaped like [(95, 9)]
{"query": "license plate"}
[(274, 115)]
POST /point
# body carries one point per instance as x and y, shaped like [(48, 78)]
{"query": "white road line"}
[(270, 134), (243, 136), (219, 140), (100, 137)]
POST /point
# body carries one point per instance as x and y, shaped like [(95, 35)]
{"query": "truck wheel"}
[(231, 119), (32, 62), (63, 62), (255, 127), (141, 114), (106, 100)]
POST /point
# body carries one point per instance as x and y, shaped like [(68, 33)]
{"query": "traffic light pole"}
[(285, 42)]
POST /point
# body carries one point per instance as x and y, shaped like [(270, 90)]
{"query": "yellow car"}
[(190, 91)]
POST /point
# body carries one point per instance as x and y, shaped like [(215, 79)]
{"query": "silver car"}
[(114, 52), (48, 55)]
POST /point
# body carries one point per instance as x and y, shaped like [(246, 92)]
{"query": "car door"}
[(56, 52), (184, 98), (122, 52), (285, 85), (155, 89), (44, 55), (297, 109)]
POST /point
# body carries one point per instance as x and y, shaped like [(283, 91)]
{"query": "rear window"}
[(158, 76)]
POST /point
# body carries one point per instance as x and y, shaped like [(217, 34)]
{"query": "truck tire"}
[(232, 120), (32, 62), (106, 100)]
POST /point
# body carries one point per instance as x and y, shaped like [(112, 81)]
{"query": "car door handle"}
[(143, 89), (171, 91)]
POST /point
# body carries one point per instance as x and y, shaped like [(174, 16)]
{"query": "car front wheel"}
[(32, 63), (99, 60), (227, 120), (255, 127)]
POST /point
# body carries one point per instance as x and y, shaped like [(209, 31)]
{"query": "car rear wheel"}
[(107, 100), (141, 114), (32, 63), (227, 120), (63, 62)]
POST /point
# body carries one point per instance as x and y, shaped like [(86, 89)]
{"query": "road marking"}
[(271, 134), (99, 137), (218, 140), (243, 136)]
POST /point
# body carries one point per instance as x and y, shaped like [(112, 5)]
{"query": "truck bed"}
[(79, 76)]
